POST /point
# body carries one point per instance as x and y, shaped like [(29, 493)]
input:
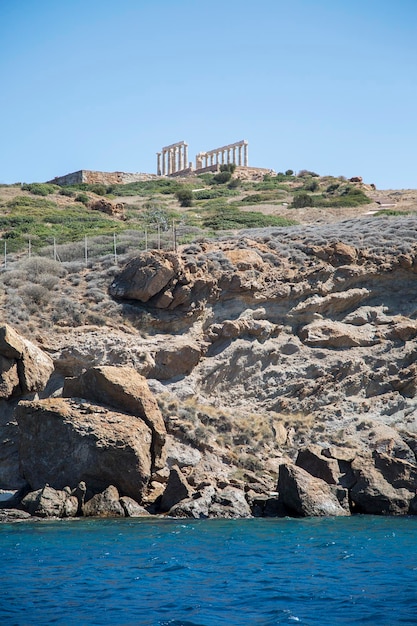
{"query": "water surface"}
[(162, 572)]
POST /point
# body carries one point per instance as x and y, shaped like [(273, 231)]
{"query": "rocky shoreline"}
[(267, 376)]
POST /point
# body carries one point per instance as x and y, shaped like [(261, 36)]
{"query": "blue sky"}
[(326, 85)]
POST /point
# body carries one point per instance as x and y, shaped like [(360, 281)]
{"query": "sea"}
[(171, 572)]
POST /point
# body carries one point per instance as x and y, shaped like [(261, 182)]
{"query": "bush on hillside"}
[(302, 200), (40, 189), (185, 197), (222, 177)]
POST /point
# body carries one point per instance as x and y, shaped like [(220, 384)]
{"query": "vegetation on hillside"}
[(44, 213)]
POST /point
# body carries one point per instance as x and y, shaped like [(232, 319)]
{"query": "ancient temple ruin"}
[(225, 155), (173, 159)]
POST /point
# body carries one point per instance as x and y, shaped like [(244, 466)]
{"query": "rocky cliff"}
[(281, 379)]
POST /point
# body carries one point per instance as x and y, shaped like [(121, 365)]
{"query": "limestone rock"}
[(179, 359), (123, 389), (181, 454), (330, 304), (330, 334), (312, 461), (47, 502), (177, 489), (305, 495), (9, 378), (35, 368), (70, 507), (145, 276), (12, 345), (373, 494), (115, 210), (63, 442), (13, 515), (131, 508), (105, 504), (211, 502), (24, 368)]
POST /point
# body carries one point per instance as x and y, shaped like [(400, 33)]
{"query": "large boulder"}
[(63, 442), (49, 502), (210, 501), (177, 489), (305, 495), (24, 368), (125, 390), (383, 486), (331, 465), (145, 276), (177, 359), (105, 504), (131, 508)]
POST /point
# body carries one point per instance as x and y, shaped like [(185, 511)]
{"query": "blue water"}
[(359, 570)]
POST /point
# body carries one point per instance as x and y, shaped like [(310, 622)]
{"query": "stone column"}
[(234, 154), (158, 163), (245, 155), (239, 155), (185, 155), (211, 159)]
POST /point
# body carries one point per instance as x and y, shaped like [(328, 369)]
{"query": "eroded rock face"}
[(124, 389), (63, 442)]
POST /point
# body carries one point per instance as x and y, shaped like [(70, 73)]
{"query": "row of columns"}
[(172, 159), (227, 154)]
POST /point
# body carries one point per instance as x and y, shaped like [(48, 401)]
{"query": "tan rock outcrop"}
[(330, 334), (24, 367), (105, 504), (63, 442), (125, 390), (145, 276), (49, 502), (177, 489), (305, 495)]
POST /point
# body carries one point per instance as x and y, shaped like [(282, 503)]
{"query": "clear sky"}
[(326, 85)]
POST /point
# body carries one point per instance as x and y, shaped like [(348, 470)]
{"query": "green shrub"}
[(391, 213), (40, 189), (67, 192), (185, 197), (83, 198), (302, 200), (289, 172), (234, 183), (311, 186), (222, 177), (228, 217), (347, 197), (228, 167), (306, 173)]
